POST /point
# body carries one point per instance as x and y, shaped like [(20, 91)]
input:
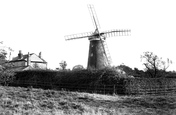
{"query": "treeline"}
[(147, 73)]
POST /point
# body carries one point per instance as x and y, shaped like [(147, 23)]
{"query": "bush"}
[(6, 75)]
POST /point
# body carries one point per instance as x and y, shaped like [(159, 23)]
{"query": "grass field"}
[(31, 101)]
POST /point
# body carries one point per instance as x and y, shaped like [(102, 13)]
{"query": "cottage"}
[(28, 61)]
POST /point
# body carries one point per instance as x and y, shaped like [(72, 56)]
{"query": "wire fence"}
[(102, 89)]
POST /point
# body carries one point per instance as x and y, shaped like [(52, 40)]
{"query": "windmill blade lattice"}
[(113, 33), (78, 36), (94, 17), (106, 51)]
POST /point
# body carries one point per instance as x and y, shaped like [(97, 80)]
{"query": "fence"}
[(152, 86), (102, 89), (129, 89)]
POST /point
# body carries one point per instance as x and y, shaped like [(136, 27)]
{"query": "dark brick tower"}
[(98, 57)]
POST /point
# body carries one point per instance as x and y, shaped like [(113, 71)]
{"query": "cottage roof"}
[(33, 58)]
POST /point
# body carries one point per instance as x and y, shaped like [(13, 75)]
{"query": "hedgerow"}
[(90, 80), (70, 79)]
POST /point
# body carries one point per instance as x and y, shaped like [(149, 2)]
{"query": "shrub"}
[(6, 75)]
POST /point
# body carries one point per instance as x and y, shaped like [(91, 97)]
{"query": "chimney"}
[(40, 54), (28, 59), (20, 55)]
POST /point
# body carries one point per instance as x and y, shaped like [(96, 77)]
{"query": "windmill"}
[(99, 56)]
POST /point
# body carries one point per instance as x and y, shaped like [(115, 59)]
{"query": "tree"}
[(3, 56), (78, 67), (6, 74), (154, 65), (139, 73), (63, 65), (126, 69)]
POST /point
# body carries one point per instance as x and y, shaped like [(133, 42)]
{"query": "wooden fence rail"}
[(103, 89)]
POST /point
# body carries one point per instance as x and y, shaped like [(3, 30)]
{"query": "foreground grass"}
[(30, 101)]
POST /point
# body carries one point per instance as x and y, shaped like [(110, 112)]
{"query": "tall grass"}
[(31, 101)]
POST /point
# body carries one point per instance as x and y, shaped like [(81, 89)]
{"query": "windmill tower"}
[(99, 56)]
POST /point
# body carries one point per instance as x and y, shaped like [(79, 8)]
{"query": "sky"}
[(40, 26)]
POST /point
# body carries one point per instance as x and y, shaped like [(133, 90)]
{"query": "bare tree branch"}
[(154, 64)]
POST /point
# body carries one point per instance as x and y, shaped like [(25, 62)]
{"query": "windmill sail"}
[(106, 51), (94, 17), (112, 33), (78, 36)]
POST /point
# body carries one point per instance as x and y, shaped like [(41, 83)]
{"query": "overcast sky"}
[(40, 26)]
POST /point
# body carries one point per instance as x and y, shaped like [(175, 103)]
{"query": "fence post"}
[(95, 89), (156, 90), (114, 89), (164, 90)]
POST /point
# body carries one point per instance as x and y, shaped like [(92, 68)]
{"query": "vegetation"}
[(154, 65), (30, 101), (77, 68), (3, 56), (105, 81), (70, 79), (63, 65), (6, 75)]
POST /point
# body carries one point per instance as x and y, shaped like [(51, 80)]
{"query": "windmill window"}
[(91, 54), (92, 46)]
